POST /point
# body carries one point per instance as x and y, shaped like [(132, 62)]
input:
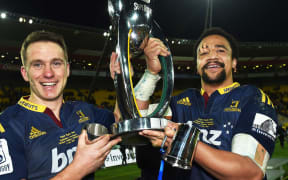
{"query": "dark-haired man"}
[(39, 136), (233, 143)]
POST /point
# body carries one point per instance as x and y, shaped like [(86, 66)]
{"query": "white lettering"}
[(6, 165), (70, 153), (213, 139), (61, 160), (215, 135), (142, 7)]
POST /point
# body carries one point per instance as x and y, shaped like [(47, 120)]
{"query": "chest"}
[(216, 120), (49, 148)]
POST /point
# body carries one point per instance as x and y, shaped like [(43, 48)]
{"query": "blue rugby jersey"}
[(229, 111), (33, 146)]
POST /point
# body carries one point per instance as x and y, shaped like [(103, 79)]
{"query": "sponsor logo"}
[(82, 117), (211, 136), (229, 88), (61, 160), (184, 101), (6, 165), (233, 107), (31, 106), (264, 125), (34, 133)]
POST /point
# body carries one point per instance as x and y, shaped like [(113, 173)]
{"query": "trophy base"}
[(128, 129), (176, 162)]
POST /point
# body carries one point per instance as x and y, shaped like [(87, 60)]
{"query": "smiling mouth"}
[(48, 84), (214, 65)]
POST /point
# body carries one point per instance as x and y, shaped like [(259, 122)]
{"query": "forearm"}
[(145, 88), (71, 172), (117, 113), (226, 165)]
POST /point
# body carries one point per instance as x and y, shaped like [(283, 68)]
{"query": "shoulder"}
[(255, 94), (188, 93), (13, 122), (86, 106), (11, 113), (248, 89)]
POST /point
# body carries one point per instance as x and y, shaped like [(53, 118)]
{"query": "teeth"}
[(213, 66), (48, 84)]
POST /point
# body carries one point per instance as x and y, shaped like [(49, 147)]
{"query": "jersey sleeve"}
[(258, 119), (12, 153)]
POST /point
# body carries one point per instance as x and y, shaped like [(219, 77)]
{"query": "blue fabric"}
[(38, 147), (226, 114), (229, 111)]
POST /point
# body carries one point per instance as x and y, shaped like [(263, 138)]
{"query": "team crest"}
[(233, 107), (82, 117)]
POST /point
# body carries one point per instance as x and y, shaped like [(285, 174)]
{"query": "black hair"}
[(218, 31)]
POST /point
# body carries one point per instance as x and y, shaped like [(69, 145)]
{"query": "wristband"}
[(146, 86)]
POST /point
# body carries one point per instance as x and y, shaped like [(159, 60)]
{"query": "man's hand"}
[(156, 137), (90, 155), (115, 66), (154, 48)]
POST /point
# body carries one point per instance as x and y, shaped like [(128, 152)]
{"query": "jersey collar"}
[(31, 106), (224, 90)]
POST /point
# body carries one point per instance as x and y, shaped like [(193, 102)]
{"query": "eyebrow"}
[(221, 46)]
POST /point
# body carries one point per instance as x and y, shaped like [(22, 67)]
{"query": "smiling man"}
[(235, 142), (40, 136)]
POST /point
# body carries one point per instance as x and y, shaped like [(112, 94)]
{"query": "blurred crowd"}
[(105, 98)]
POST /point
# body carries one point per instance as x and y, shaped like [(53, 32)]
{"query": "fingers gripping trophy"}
[(132, 24)]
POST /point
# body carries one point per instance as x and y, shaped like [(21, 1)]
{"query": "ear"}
[(68, 69), (234, 64), (24, 74)]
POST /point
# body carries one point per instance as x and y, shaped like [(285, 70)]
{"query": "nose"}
[(48, 71), (213, 54)]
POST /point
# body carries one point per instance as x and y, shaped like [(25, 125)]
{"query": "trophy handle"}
[(123, 82), (168, 74)]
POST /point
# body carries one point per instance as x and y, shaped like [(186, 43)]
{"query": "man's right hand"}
[(114, 65), (90, 155), (154, 48)]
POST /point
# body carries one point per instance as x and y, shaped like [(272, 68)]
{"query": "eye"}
[(37, 65), (203, 53), (57, 64), (221, 50)]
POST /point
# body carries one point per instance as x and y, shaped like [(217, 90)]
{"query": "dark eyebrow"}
[(35, 61), (58, 59), (221, 46)]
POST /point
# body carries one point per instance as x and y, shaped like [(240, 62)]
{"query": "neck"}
[(54, 105), (211, 88)]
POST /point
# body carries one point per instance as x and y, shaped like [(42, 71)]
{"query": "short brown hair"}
[(37, 36)]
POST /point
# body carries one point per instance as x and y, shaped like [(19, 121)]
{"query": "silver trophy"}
[(132, 25), (94, 130), (181, 152)]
